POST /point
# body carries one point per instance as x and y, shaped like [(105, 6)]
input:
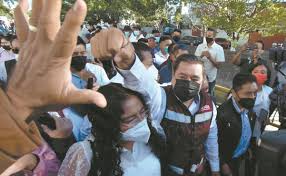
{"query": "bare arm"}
[(236, 59)]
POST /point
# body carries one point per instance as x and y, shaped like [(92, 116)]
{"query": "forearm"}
[(27, 162), (236, 58), (136, 78), (216, 64)]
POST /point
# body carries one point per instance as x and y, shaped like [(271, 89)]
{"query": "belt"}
[(181, 171)]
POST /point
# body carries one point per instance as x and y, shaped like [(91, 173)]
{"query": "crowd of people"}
[(117, 102)]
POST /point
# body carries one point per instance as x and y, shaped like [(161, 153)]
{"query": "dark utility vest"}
[(186, 134)]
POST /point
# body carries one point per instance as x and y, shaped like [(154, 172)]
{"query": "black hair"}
[(8, 37), (127, 28), (187, 58), (241, 79), (177, 30), (154, 31), (164, 38), (181, 47), (171, 48), (80, 41), (141, 47), (143, 40), (212, 30), (106, 130), (13, 37), (259, 63), (262, 43), (137, 27)]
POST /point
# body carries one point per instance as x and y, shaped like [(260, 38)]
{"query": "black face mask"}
[(176, 38), (15, 51), (186, 90), (209, 40), (78, 62), (247, 103), (6, 47)]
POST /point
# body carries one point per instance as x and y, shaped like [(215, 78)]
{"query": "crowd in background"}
[(161, 116)]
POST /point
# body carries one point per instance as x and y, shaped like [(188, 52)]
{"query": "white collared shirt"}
[(217, 53), (160, 58)]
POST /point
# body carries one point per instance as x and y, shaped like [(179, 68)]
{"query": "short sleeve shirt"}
[(217, 54)]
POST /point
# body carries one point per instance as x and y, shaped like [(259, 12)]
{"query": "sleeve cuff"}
[(137, 70)]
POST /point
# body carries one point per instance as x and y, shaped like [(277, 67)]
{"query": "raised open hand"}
[(42, 75)]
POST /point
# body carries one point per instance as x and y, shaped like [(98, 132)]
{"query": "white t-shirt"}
[(217, 53)]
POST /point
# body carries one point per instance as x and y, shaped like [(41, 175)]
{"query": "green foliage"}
[(243, 16), (4, 11), (144, 12)]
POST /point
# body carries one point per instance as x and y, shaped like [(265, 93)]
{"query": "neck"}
[(163, 52), (127, 144), (260, 87)]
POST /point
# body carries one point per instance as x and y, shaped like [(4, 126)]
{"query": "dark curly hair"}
[(106, 130)]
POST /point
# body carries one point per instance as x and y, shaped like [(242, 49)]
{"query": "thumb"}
[(86, 96)]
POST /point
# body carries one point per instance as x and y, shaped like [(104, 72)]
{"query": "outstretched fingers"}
[(66, 38)]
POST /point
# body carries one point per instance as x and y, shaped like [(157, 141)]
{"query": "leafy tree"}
[(243, 16), (4, 11), (142, 11)]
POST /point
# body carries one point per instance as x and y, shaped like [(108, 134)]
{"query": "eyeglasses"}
[(135, 119)]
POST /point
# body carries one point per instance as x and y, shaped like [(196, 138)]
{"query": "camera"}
[(277, 55)]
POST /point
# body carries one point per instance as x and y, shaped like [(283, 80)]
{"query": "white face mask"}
[(138, 133)]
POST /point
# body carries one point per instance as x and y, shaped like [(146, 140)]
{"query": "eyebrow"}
[(129, 117)]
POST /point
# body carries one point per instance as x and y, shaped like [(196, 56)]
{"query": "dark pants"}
[(234, 165)]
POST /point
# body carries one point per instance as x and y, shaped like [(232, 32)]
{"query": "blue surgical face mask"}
[(157, 39), (138, 133), (127, 34), (136, 33), (166, 49)]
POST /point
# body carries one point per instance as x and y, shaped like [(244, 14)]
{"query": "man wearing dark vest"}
[(185, 115)]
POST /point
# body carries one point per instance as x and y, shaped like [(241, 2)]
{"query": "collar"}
[(195, 106), (237, 107), (75, 75)]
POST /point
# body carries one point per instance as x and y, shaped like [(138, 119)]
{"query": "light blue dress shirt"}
[(245, 132)]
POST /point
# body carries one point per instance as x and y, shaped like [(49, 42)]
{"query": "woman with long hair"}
[(123, 141)]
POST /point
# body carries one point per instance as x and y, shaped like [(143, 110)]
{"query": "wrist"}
[(126, 64), (14, 109), (14, 105)]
